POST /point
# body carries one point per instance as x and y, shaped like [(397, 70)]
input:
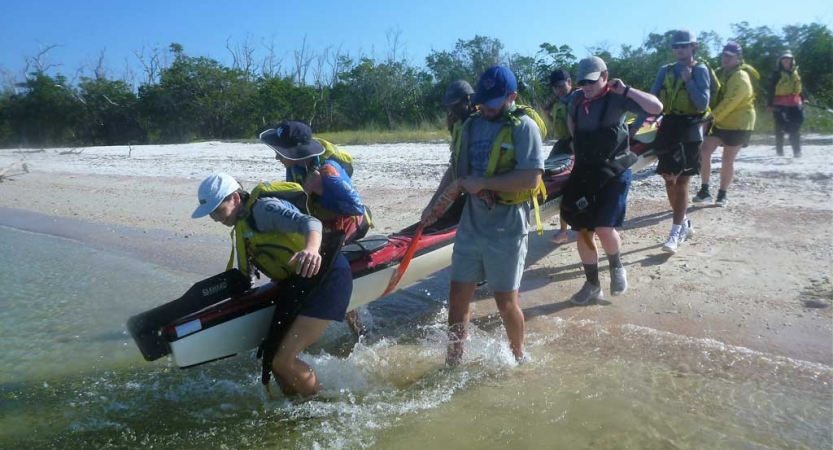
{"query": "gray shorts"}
[(498, 260)]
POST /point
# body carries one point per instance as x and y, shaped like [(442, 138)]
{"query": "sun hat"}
[(292, 140)]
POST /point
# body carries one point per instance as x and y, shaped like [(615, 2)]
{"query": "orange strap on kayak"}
[(403, 265)]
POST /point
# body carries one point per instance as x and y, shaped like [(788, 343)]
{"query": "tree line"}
[(182, 97)]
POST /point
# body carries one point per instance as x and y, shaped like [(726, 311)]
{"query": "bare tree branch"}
[(271, 65), (303, 58), (15, 169), (335, 66), (39, 61), (151, 64), (128, 75), (243, 56), (393, 37), (99, 71)]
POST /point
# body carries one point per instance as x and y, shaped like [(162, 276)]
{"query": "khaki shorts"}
[(500, 261)]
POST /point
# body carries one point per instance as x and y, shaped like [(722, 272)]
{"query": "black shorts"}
[(685, 163), (732, 138)]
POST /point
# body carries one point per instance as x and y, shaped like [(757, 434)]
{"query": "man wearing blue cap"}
[(498, 160)]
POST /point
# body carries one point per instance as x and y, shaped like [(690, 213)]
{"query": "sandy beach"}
[(755, 275)]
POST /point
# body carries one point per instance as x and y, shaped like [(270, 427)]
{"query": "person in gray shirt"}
[(684, 88), (500, 172), (280, 241)]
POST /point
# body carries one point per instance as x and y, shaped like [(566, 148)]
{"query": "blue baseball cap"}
[(494, 85)]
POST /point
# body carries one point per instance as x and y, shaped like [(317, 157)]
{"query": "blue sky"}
[(85, 27)]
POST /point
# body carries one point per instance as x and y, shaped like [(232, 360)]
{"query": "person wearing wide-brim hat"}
[(273, 236), (786, 100), (319, 167), (734, 119)]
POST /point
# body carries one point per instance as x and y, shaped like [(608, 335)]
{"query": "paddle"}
[(406, 260), (819, 107)]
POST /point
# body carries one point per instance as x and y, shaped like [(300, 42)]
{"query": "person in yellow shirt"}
[(734, 120), (786, 101)]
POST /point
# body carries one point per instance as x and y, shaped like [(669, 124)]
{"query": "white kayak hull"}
[(194, 345)]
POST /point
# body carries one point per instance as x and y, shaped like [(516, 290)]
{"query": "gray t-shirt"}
[(501, 220), (274, 214)]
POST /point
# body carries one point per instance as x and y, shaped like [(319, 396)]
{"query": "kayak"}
[(223, 315)]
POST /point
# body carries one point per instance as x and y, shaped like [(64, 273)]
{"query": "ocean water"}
[(71, 377)]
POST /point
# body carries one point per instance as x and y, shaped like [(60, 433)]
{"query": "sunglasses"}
[(676, 46), (588, 82)]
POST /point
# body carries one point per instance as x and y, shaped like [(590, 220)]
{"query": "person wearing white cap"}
[(786, 100), (595, 199), (278, 240)]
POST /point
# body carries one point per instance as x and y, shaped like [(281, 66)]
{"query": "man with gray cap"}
[(458, 101), (684, 88), (497, 159), (596, 196)]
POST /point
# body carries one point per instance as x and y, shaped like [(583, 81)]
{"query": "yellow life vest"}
[(679, 103), (559, 114), (502, 159), (268, 252), (332, 151), (789, 83)]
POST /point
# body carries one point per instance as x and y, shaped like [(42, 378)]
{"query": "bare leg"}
[(295, 375), (458, 319), (611, 243), (562, 236), (727, 168), (354, 322), (513, 320), (710, 144), (677, 190), (588, 255)]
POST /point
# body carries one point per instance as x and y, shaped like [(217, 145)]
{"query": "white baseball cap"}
[(213, 190)]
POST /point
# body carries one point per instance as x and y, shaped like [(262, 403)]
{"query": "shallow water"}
[(72, 379)]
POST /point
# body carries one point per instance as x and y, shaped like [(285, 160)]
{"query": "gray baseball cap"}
[(456, 91), (683, 37), (591, 68)]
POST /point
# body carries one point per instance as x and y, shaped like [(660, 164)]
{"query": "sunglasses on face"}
[(587, 82), (677, 46)]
